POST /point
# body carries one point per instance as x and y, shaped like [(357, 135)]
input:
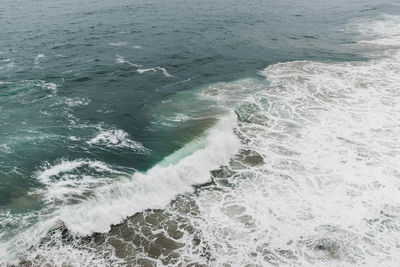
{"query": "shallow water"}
[(199, 133)]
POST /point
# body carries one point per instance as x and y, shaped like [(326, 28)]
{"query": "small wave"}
[(49, 86), (28, 91)]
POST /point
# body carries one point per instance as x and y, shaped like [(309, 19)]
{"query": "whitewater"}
[(299, 168)]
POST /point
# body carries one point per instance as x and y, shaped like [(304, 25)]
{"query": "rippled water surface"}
[(199, 133)]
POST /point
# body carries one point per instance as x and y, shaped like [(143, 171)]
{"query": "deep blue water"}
[(116, 83)]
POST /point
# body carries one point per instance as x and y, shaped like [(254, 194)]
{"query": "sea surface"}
[(199, 133)]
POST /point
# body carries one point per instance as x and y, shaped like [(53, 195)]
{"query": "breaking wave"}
[(304, 173), (158, 186)]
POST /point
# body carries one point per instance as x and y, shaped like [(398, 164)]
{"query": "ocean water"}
[(199, 133)]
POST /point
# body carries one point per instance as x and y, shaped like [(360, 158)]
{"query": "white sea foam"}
[(77, 101), (146, 70), (180, 82), (122, 60), (39, 57), (72, 188), (48, 171), (74, 138), (318, 185), (120, 43), (11, 224), (163, 70), (179, 117), (55, 252), (324, 189), (6, 63), (112, 201), (5, 148), (382, 31), (116, 138), (31, 91), (158, 186), (68, 182), (37, 60)]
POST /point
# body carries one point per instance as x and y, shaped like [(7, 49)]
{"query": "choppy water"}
[(199, 133)]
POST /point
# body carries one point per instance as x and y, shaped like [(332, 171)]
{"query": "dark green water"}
[(93, 93), (75, 48)]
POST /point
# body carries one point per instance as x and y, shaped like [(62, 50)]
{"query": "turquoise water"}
[(178, 132)]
